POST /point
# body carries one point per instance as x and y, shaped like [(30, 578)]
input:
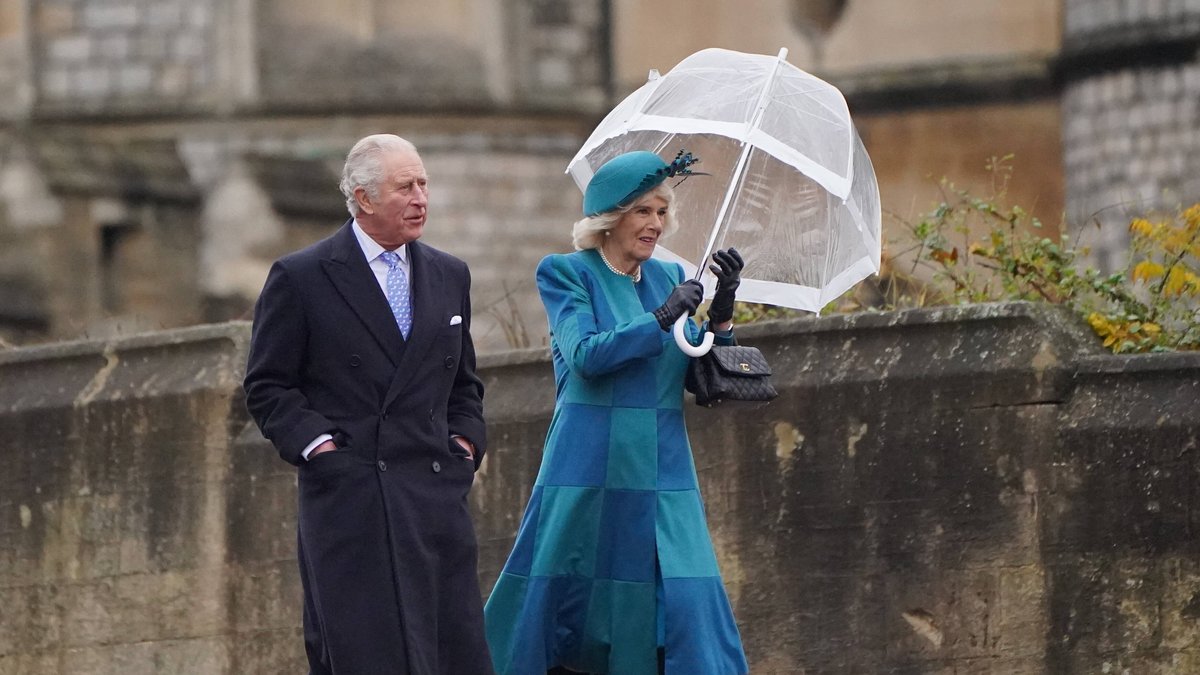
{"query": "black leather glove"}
[(685, 297), (728, 271)]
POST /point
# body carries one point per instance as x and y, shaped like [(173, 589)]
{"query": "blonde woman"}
[(613, 570)]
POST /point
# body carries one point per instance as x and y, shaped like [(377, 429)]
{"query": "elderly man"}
[(362, 374)]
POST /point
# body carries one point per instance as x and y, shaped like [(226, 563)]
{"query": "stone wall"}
[(1131, 114), (128, 54), (976, 489), (115, 507), (156, 57), (1115, 22)]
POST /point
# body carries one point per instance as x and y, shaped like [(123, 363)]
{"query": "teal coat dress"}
[(613, 557)]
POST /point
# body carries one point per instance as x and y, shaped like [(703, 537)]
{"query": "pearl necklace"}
[(636, 276)]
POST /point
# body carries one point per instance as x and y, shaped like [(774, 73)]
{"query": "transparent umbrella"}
[(790, 184)]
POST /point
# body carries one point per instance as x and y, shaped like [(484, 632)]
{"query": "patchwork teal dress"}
[(613, 557)]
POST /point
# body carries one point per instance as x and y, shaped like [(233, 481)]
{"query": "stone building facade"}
[(156, 155)]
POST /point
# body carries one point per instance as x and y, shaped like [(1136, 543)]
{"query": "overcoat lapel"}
[(426, 300), (347, 268)]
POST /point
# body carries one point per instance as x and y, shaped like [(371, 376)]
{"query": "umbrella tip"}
[(653, 75)]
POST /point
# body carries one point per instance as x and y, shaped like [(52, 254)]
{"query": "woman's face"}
[(636, 234)]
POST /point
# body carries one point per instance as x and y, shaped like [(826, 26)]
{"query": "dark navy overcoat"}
[(387, 551)]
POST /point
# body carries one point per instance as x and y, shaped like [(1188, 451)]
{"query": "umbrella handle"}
[(686, 347)]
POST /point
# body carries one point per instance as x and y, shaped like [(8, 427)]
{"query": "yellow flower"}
[(1192, 217), (1141, 226), (1174, 240), (1180, 280), (1146, 270)]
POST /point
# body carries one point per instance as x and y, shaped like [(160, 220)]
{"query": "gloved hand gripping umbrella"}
[(790, 186)]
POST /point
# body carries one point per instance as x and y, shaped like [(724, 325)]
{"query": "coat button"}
[(449, 362), (437, 467), (354, 360), (382, 465), (431, 414)]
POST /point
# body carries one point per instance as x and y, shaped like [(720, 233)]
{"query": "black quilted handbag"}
[(728, 374)]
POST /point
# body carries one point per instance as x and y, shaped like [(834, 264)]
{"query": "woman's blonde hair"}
[(589, 232)]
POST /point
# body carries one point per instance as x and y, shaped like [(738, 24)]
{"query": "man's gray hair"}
[(364, 166), (589, 232)]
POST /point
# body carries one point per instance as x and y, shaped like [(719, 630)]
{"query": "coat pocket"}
[(321, 471), (457, 450)]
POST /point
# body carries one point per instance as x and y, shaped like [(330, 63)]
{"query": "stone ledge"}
[(1057, 318), (143, 170), (146, 365), (968, 81)]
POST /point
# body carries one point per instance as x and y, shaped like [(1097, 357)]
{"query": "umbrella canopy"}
[(791, 186)]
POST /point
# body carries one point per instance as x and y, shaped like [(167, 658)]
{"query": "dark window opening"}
[(112, 299)]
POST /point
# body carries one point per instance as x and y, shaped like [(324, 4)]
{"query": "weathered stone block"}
[(265, 597), (29, 664), (31, 622), (187, 657), (1020, 633), (268, 651), (135, 79), (113, 15), (73, 50)]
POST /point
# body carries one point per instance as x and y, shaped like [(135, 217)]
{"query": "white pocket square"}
[(455, 320)]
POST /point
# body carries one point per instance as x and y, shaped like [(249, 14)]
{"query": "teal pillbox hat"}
[(623, 179), (626, 177)]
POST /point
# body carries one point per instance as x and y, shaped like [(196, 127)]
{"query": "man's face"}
[(397, 214)]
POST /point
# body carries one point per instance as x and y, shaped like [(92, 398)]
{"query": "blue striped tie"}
[(397, 292)]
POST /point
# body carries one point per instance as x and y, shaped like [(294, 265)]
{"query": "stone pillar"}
[(16, 77), (1131, 114)]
